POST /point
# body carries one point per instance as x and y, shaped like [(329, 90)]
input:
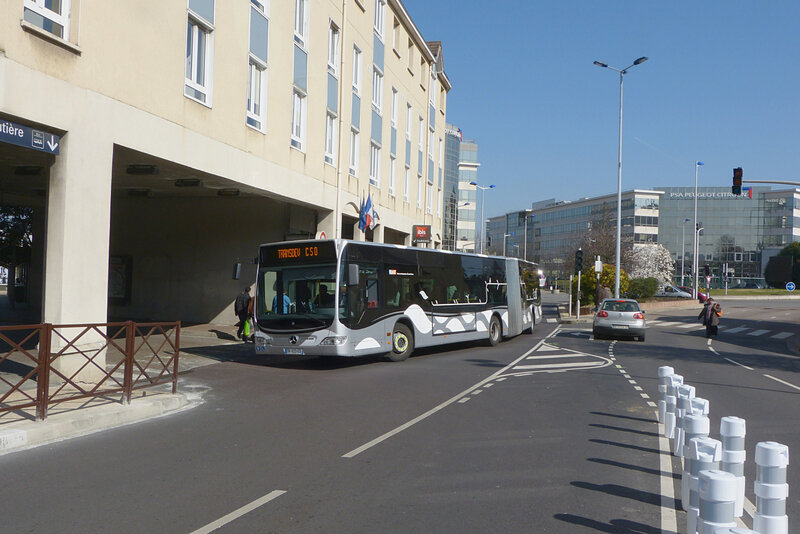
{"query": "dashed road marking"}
[(219, 523), (783, 382), (782, 335), (758, 332), (738, 329)]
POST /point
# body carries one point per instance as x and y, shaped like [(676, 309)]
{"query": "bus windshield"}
[(294, 297)]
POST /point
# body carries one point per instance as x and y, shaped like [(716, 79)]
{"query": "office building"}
[(159, 149)]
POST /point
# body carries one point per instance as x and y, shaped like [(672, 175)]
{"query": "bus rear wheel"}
[(402, 343), (495, 331)]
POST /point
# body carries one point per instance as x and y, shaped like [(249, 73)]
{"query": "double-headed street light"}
[(483, 229), (622, 73), (695, 247)]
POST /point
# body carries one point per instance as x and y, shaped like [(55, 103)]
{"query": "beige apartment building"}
[(160, 141)]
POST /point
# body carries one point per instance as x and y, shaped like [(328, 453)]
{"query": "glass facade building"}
[(450, 189), (466, 230)]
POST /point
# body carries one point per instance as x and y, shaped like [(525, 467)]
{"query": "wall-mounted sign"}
[(25, 136), (421, 233)]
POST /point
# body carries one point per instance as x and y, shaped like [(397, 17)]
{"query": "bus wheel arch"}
[(402, 341), (495, 330)]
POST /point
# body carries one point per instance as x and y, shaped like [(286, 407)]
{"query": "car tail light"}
[(602, 314), (638, 315)]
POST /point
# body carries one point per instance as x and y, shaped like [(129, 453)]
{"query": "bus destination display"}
[(300, 253)]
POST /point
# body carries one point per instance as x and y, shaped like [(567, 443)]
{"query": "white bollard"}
[(695, 426), (685, 394), (733, 530), (701, 454), (669, 417), (717, 500), (771, 488), (664, 372), (733, 430)]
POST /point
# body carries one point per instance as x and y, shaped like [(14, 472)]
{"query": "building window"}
[(199, 51), (356, 70), (407, 184), (411, 56), (396, 35), (374, 165), (301, 22), (50, 15), (429, 201), (380, 17), (392, 175), (330, 138), (419, 191), (377, 89), (421, 133), (395, 96), (257, 76), (354, 152), (298, 118), (333, 49), (409, 114)]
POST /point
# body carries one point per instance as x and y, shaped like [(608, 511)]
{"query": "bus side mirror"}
[(237, 270), (352, 274)]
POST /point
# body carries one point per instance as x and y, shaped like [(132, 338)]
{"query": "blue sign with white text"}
[(25, 136)]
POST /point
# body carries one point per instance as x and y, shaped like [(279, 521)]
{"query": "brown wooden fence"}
[(103, 359)]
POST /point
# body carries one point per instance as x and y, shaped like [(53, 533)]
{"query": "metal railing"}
[(44, 364)]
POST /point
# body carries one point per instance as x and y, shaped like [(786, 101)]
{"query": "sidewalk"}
[(201, 345)]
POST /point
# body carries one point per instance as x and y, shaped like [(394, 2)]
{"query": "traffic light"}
[(579, 260), (737, 181), (707, 269)]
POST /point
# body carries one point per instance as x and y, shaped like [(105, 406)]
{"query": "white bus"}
[(352, 298)]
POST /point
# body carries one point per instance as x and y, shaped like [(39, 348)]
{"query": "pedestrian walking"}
[(251, 305), (240, 309), (710, 316)]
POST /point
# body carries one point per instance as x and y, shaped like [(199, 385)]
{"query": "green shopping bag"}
[(247, 328)]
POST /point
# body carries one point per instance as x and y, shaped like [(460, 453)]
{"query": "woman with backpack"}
[(710, 316)]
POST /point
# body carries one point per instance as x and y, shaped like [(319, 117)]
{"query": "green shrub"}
[(642, 288)]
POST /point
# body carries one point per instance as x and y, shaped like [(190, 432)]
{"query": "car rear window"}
[(620, 306)]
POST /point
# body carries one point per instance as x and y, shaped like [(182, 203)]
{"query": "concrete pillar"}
[(379, 234), (76, 254), (326, 222), (358, 235)]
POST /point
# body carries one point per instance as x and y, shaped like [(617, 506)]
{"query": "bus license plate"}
[(292, 350)]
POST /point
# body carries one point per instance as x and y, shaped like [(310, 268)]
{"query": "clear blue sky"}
[(722, 85)]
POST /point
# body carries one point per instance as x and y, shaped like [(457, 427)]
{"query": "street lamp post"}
[(504, 242), (525, 245), (483, 229), (622, 73), (683, 243), (698, 228), (695, 248)]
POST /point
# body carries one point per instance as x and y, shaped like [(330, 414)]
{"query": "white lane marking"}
[(669, 324), (782, 335), (783, 382), (738, 329), (551, 320), (546, 348), (739, 364), (576, 365), (211, 527), (488, 385), (638, 388), (445, 404), (691, 325), (652, 404), (758, 332), (465, 399), (477, 392), (749, 507), (627, 376), (555, 356), (669, 520), (644, 395)]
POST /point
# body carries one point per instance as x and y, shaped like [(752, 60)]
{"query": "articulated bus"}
[(351, 298)]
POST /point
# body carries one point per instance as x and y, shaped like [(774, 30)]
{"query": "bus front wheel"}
[(402, 343), (495, 331)]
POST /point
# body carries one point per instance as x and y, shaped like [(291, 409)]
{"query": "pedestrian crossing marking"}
[(738, 329), (670, 324), (548, 356), (782, 335), (551, 320), (691, 325), (759, 332)]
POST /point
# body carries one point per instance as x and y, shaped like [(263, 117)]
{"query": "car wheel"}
[(402, 343), (495, 331), (597, 335), (641, 338)]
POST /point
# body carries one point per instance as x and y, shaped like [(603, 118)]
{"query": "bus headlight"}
[(334, 340), (263, 340)]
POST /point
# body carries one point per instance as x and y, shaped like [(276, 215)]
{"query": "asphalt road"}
[(543, 433)]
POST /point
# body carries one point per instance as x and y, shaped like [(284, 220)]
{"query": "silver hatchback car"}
[(619, 318)]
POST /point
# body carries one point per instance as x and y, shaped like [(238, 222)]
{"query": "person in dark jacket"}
[(240, 309), (710, 316)]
